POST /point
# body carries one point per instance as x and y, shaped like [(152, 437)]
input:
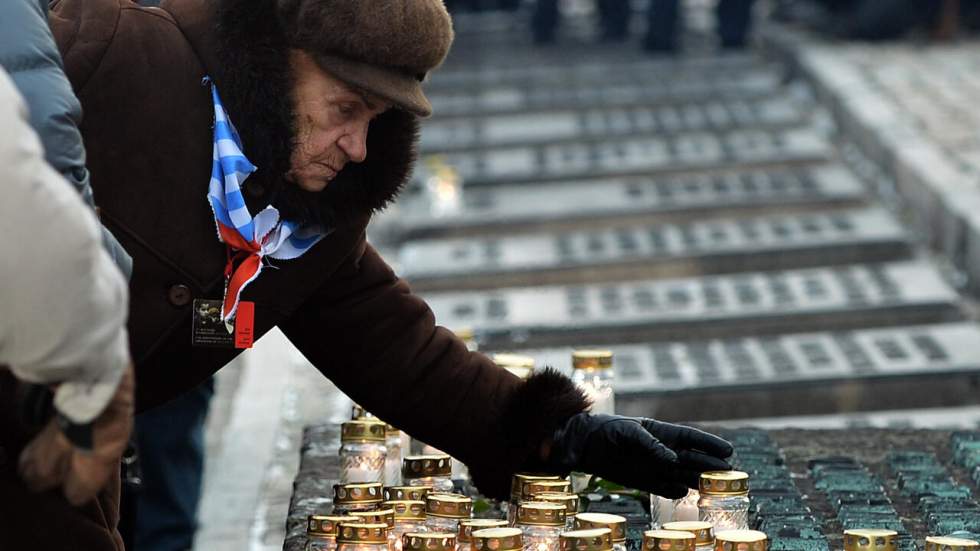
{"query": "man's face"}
[(331, 124)]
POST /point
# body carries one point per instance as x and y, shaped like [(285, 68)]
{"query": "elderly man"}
[(283, 125)]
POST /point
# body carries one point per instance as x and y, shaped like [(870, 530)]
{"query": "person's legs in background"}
[(614, 20), (544, 21), (734, 21), (170, 440), (663, 26)]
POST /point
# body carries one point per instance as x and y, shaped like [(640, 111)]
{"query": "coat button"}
[(179, 295)]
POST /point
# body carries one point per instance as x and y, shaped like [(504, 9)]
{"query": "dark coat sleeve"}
[(379, 343), (29, 53)]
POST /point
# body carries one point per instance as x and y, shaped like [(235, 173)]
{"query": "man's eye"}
[(346, 109)]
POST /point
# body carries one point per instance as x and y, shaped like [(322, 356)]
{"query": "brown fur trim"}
[(532, 415), (410, 35)]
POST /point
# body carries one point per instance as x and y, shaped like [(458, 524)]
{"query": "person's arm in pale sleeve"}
[(64, 301)]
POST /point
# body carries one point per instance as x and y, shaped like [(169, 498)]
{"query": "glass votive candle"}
[(668, 540), (498, 539), (356, 497), (724, 500), (569, 501), (393, 459), (362, 451), (434, 471), (358, 412), (937, 543), (409, 517), (429, 541), (321, 531), (444, 511), (517, 483), (379, 516), (741, 540), (405, 493), (362, 537), (464, 536), (592, 539), (704, 532), (593, 374), (541, 523), (615, 523), (867, 540), (521, 366)]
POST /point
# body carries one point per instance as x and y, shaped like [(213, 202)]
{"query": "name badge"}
[(207, 328)]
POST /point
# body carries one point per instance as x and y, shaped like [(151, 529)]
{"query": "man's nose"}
[(354, 144)]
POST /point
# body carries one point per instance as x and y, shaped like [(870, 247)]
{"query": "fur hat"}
[(386, 47)]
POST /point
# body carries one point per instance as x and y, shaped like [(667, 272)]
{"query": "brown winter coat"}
[(147, 127)]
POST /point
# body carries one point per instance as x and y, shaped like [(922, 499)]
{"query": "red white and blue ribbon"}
[(249, 239)]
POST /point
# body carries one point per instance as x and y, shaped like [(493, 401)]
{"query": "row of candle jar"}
[(887, 540), (722, 499)]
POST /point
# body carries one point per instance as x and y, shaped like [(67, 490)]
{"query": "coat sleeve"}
[(64, 302), (379, 344), (29, 53)]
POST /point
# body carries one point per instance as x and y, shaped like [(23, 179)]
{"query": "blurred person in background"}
[(66, 383), (613, 20), (228, 137), (665, 25)]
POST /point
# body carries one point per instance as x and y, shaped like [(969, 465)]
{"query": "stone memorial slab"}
[(720, 245), (500, 207), (711, 306), (501, 98), (568, 125), (685, 151), (662, 368)]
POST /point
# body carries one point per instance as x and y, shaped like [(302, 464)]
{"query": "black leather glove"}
[(640, 453)]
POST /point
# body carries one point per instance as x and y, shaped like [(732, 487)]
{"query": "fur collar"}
[(251, 71)]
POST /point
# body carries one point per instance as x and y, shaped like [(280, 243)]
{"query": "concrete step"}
[(743, 304), (687, 151), (508, 208), (778, 241), (835, 371), (531, 127)]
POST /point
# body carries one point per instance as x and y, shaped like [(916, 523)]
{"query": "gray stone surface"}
[(718, 245)]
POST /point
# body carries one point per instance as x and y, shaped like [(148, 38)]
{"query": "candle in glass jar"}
[(593, 374), (362, 451), (686, 508)]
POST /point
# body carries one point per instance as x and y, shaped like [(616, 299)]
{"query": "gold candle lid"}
[(669, 540), (870, 540), (391, 431), (724, 483), (703, 531), (358, 412), (940, 543), (522, 366), (498, 539), (381, 516), (592, 539), (362, 430), (615, 523), (465, 334), (422, 466), (468, 526), (741, 540), (570, 501), (368, 492), (592, 359), (539, 513), (406, 509), (326, 526), (352, 532), (448, 506), (429, 541), (531, 487), (406, 493), (518, 480)]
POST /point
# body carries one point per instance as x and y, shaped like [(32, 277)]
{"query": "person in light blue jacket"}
[(29, 54)]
